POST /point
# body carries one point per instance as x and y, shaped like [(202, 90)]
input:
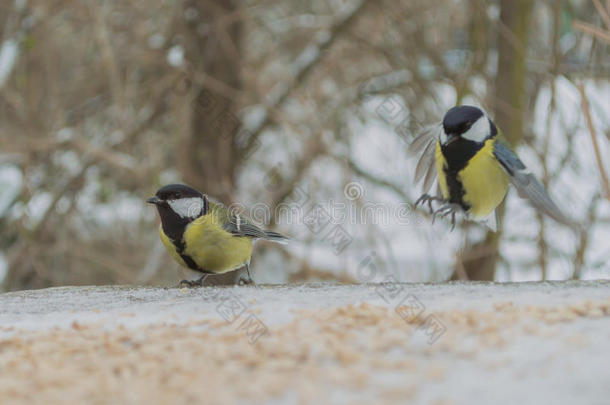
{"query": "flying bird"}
[(474, 167)]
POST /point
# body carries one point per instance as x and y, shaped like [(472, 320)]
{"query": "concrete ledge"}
[(452, 343)]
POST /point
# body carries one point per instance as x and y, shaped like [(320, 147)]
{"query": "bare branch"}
[(302, 67), (598, 157), (591, 30)]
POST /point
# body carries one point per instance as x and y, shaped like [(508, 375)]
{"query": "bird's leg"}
[(243, 281), (447, 209), (248, 270), (452, 220), (187, 283), (193, 283), (427, 198)]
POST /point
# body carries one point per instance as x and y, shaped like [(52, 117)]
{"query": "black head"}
[(178, 205), (465, 130), (174, 192), (460, 119), (466, 123)]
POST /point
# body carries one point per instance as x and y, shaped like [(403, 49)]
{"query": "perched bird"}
[(474, 167), (204, 236)]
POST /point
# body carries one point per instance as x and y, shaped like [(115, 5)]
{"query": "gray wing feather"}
[(424, 146), (527, 185), (241, 227), (429, 179), (421, 141), (425, 161)]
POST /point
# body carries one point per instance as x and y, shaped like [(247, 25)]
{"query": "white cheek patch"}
[(187, 207), (479, 131)]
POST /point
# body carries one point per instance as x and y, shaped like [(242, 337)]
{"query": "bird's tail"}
[(275, 237)]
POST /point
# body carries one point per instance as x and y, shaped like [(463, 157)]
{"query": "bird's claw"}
[(244, 281), (192, 283), (445, 210), (189, 284), (427, 198)]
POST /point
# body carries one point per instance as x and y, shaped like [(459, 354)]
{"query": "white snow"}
[(175, 56), (37, 207), (20, 5), (8, 58), (11, 181), (3, 267)]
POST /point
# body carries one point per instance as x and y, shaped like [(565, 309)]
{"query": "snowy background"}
[(289, 111)]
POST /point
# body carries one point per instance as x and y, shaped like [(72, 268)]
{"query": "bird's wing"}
[(424, 148), (241, 227), (237, 225), (527, 185)]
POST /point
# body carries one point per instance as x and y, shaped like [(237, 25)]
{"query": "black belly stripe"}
[(457, 155), (174, 227), (190, 262), (187, 259), (456, 189)]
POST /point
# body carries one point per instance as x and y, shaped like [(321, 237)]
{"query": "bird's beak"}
[(154, 200), (451, 138)]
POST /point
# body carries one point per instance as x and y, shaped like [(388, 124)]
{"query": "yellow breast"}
[(213, 248), (171, 248), (484, 181)]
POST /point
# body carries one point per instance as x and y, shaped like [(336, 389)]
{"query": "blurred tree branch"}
[(108, 101), (301, 68), (605, 184)]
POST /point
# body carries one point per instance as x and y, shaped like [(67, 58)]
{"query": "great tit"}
[(204, 236), (474, 166)]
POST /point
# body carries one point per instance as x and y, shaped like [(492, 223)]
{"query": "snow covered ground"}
[(456, 343)]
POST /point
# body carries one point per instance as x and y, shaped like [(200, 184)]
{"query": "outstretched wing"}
[(424, 147), (527, 185)]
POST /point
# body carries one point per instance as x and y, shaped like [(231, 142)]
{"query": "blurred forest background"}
[(302, 112)]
